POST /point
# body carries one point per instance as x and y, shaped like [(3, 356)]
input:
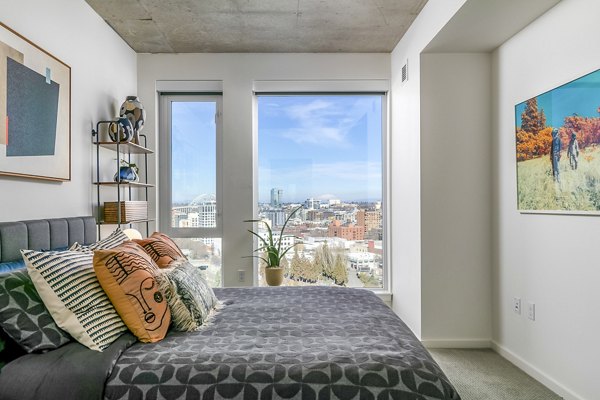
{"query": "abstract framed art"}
[(558, 149), (35, 110)]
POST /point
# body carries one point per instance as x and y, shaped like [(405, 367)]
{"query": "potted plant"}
[(271, 250)]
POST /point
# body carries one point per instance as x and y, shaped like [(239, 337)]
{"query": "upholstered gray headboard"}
[(44, 234)]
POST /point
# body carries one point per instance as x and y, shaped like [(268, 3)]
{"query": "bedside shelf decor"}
[(126, 210)]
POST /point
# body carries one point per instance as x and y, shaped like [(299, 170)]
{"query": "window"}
[(189, 176), (324, 152)]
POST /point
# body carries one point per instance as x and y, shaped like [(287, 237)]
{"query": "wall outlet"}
[(517, 305), (241, 275), (531, 311)]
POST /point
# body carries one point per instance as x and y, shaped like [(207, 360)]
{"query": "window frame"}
[(336, 88), (165, 164)]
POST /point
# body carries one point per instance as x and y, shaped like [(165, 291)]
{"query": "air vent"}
[(405, 72)]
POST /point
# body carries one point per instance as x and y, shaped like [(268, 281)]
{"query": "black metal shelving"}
[(126, 148)]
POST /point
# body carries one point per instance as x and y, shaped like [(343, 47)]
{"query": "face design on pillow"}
[(142, 290), (149, 298)]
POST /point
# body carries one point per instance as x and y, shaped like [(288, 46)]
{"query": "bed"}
[(265, 343)]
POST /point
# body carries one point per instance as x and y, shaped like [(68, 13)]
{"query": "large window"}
[(190, 184), (324, 152)]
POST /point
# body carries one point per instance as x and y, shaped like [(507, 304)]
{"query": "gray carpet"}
[(483, 374)]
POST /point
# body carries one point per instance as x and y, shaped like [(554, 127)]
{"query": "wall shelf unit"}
[(123, 150)]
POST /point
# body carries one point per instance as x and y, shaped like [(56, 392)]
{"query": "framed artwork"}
[(35, 110), (558, 149)]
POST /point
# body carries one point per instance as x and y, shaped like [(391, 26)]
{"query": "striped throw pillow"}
[(67, 284), (113, 240)]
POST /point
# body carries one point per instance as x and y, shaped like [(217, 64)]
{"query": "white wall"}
[(103, 73), (238, 72), (456, 199), (547, 259), (405, 160)]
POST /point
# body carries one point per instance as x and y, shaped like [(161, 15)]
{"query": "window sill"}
[(383, 295)]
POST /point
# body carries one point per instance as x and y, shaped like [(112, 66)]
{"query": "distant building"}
[(176, 218), (375, 247), (348, 232), (358, 247), (276, 196), (369, 219), (363, 262), (314, 216), (334, 202), (207, 211), (200, 213), (312, 204), (277, 216)]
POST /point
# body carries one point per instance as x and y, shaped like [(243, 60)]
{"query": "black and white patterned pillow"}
[(190, 298), (24, 317), (111, 241), (68, 286)]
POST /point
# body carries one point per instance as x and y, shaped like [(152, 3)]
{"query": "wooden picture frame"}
[(35, 110)]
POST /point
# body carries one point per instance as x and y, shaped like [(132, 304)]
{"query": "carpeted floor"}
[(484, 375)]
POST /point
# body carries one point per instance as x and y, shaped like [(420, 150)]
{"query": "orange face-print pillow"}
[(128, 276)]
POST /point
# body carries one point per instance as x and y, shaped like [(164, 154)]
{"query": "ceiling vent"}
[(405, 72)]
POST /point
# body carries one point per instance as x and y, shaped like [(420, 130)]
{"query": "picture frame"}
[(35, 110), (557, 135)]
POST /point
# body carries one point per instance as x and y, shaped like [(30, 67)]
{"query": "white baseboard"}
[(534, 372), (457, 344)]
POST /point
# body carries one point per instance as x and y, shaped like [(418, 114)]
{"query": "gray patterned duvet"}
[(298, 342)]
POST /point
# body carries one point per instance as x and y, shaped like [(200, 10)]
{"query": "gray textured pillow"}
[(24, 317), (113, 240), (190, 298)]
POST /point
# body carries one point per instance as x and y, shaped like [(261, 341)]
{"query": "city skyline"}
[(321, 198)]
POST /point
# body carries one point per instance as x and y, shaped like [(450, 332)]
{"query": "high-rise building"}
[(369, 219), (203, 212), (276, 196)]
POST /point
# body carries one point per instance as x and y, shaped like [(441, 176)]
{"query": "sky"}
[(581, 96), (193, 146), (320, 146), (324, 147)]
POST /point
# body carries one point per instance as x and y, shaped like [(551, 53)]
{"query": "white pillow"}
[(113, 240), (67, 284)]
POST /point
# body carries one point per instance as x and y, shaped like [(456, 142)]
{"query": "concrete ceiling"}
[(244, 26), (482, 25)]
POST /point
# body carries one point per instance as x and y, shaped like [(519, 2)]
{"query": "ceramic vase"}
[(133, 110), (120, 130), (126, 174)]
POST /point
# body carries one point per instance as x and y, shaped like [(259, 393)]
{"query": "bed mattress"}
[(266, 343)]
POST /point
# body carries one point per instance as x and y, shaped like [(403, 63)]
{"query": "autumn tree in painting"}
[(587, 130), (533, 138), (532, 120), (530, 145)]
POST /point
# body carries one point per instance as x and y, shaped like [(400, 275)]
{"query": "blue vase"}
[(120, 130), (126, 174)]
